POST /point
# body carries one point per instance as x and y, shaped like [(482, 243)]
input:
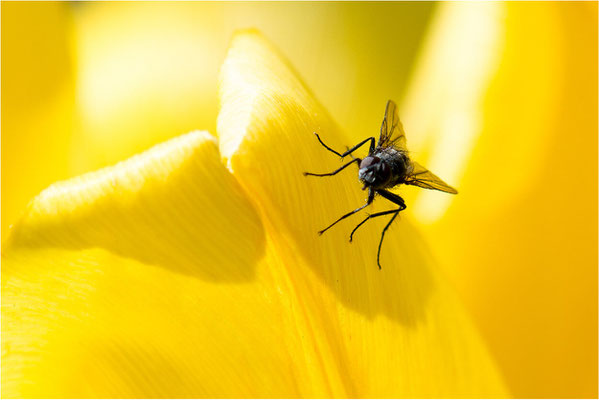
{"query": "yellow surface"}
[(520, 240), (137, 74), (166, 275), (501, 103), (38, 98)]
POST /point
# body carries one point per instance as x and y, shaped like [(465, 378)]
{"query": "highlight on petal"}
[(444, 104), (521, 238), (145, 200), (398, 332), (145, 72)]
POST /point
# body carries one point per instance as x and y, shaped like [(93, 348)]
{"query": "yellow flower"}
[(501, 102), (175, 274)]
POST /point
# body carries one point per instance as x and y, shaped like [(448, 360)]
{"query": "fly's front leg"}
[(351, 155), (325, 146), (336, 171), (356, 147), (349, 151), (368, 202)]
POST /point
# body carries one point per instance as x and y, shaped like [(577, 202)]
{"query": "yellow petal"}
[(520, 240), (37, 101), (159, 278), (397, 332), (443, 106), (139, 280), (148, 71)]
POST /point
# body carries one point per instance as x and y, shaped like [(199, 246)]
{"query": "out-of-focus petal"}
[(443, 108), (38, 101), (506, 98), (396, 332), (142, 73), (148, 71)]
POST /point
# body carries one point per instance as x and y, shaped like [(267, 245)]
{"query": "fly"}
[(386, 166)]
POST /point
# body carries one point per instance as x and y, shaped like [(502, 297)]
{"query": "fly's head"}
[(374, 172)]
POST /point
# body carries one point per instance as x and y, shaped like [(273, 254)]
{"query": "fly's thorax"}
[(399, 162), (384, 168)]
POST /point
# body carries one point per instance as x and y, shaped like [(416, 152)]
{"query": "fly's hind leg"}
[(378, 254), (402, 206), (379, 214), (368, 202)]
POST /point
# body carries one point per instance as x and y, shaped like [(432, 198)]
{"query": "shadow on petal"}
[(174, 206), (303, 205), (266, 125)]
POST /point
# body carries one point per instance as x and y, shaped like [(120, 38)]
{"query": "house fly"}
[(386, 166)]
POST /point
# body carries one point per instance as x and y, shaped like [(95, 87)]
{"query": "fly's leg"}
[(368, 202), (402, 206), (379, 214), (378, 254), (349, 151), (351, 155), (356, 147), (393, 198), (336, 171)]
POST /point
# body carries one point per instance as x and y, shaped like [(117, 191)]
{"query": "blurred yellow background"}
[(86, 85)]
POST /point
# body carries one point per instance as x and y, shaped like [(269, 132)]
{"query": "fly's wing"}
[(392, 133), (424, 178)]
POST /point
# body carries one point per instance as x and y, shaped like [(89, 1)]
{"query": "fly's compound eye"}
[(368, 161)]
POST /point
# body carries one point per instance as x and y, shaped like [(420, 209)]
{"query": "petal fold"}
[(160, 207), (396, 332), (141, 280)]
